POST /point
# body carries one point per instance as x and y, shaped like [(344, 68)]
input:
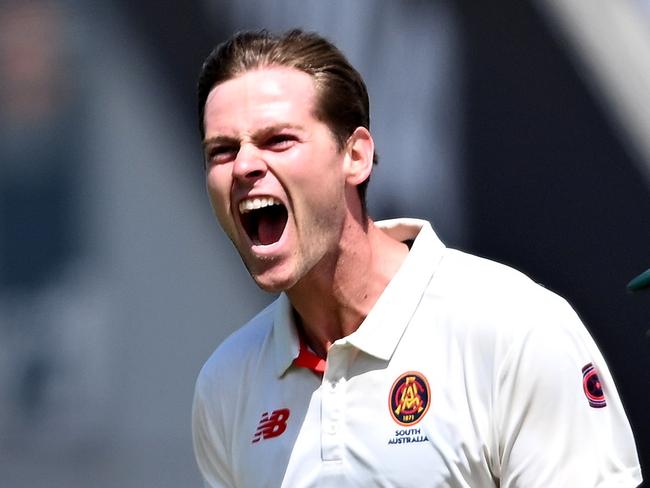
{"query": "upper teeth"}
[(255, 203)]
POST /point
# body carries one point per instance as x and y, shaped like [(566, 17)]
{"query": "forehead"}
[(260, 97)]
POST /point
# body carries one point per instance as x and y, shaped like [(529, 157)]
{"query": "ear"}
[(358, 156)]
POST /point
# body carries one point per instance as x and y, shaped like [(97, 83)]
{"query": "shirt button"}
[(331, 429)]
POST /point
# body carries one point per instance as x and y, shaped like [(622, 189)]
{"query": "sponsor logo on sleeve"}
[(592, 387)]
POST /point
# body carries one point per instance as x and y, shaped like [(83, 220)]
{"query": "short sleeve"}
[(208, 437), (559, 419)]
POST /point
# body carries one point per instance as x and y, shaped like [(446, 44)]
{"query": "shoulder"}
[(495, 308), (219, 396), (237, 351), (518, 327), (492, 288)]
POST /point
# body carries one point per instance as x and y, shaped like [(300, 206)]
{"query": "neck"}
[(335, 297)]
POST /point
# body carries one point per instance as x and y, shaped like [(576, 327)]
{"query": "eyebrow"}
[(217, 140), (257, 135)]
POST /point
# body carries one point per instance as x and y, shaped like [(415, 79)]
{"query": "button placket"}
[(332, 402)]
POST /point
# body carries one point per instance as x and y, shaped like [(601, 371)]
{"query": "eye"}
[(220, 154), (280, 142)]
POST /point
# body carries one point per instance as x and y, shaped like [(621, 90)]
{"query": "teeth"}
[(258, 202)]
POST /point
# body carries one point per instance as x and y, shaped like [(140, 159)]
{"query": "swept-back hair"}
[(341, 95)]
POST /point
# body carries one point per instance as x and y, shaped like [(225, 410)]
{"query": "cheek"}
[(319, 171), (323, 185), (219, 194)]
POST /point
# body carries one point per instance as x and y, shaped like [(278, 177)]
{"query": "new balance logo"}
[(272, 425)]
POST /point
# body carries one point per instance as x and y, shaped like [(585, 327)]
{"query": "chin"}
[(274, 280), (273, 285)]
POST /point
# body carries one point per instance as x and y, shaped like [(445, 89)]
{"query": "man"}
[(388, 359)]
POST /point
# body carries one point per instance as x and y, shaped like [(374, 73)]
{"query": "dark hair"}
[(342, 98)]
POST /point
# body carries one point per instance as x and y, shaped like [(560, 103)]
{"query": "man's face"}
[(274, 174)]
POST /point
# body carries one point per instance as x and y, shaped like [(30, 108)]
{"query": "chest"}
[(367, 422)]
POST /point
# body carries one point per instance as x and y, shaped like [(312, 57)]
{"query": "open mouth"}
[(263, 219)]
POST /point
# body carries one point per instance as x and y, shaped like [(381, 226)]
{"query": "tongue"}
[(269, 230)]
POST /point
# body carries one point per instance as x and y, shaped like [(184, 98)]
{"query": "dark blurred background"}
[(520, 129)]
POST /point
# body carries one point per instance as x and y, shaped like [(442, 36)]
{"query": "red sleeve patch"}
[(592, 387)]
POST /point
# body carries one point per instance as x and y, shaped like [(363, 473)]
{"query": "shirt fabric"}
[(465, 373)]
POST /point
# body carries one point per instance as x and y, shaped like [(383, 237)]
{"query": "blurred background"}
[(521, 129)]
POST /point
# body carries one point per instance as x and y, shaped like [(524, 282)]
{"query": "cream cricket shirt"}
[(464, 374)]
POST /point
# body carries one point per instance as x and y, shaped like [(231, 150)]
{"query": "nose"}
[(249, 163)]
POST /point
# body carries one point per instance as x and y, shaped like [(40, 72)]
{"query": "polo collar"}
[(381, 331), (284, 337)]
